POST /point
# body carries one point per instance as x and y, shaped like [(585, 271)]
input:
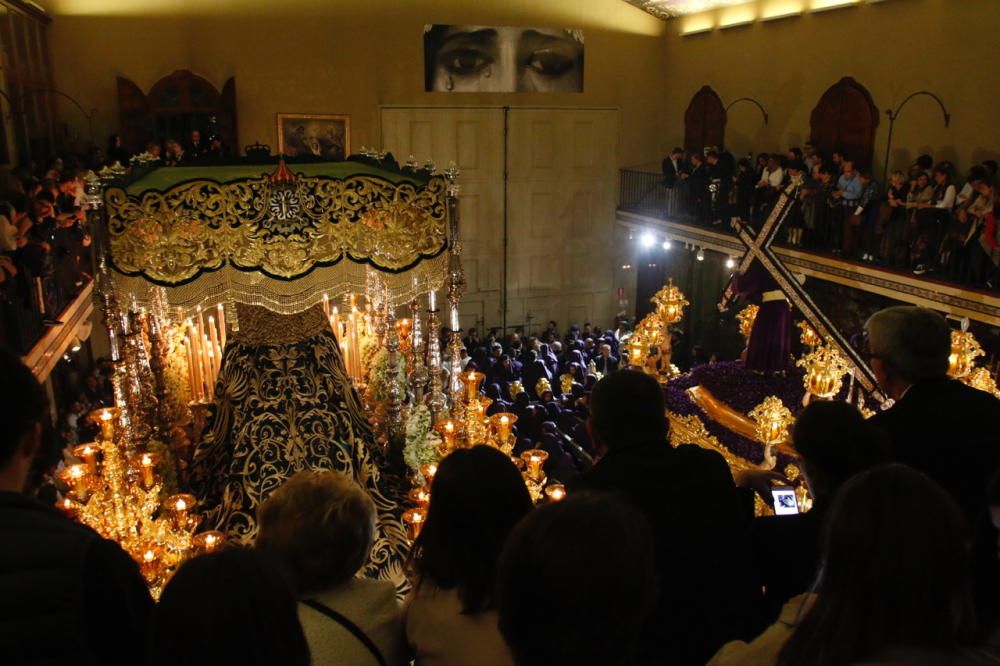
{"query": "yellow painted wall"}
[(343, 56), (893, 48)]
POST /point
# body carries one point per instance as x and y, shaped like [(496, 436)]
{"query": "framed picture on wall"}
[(301, 134)]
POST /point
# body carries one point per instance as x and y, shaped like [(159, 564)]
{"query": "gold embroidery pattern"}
[(283, 230)]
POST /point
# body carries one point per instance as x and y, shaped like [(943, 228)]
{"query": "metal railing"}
[(644, 191)]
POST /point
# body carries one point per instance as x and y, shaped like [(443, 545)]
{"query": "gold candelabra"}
[(746, 317), (965, 350), (649, 346), (825, 369), (771, 419), (670, 303), (809, 337), (118, 494)]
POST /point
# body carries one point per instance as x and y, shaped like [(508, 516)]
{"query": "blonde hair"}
[(321, 524), (897, 178)]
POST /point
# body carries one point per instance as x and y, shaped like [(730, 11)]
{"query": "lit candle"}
[(556, 492), (76, 477), (107, 425), (414, 519), (432, 301), (326, 305), (149, 564), (533, 460), (147, 467), (88, 454), (428, 471), (420, 496), (206, 542), (448, 432), (222, 325), (335, 323), (181, 506), (69, 507)]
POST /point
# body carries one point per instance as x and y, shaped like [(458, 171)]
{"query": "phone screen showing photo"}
[(784, 501)]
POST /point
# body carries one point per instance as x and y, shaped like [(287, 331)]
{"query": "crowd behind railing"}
[(44, 248), (929, 219)]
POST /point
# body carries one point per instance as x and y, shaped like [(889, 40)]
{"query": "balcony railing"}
[(643, 190)]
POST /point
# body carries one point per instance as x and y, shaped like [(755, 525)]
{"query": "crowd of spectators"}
[(654, 557), (928, 220), (45, 254), (44, 248)]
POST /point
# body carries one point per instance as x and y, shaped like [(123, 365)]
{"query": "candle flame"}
[(504, 420), (106, 415), (181, 505), (76, 471), (210, 539), (149, 556), (146, 460)]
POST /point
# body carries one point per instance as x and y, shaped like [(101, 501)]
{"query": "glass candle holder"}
[(414, 519), (428, 471), (207, 542), (472, 379), (88, 454), (420, 496), (146, 464), (556, 492), (181, 507), (534, 460), (77, 479)]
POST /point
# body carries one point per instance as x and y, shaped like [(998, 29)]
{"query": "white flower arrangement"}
[(378, 380), (421, 440)]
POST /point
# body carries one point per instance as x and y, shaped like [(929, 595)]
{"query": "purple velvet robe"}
[(770, 346)]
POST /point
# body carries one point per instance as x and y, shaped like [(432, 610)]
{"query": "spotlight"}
[(730, 263), (700, 256), (647, 240), (666, 244), (75, 348)]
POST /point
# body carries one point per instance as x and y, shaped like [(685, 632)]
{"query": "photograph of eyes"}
[(472, 58)]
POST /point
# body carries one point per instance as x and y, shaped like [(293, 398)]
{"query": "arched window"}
[(704, 121), (176, 105), (845, 119)]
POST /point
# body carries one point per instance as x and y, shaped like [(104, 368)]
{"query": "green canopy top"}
[(164, 178)]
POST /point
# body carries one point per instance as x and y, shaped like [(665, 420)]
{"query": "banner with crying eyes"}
[(472, 58)]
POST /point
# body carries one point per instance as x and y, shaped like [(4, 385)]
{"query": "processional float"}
[(182, 251)]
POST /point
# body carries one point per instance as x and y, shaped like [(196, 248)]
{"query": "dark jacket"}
[(951, 433), (670, 173), (786, 556), (699, 521), (67, 596)]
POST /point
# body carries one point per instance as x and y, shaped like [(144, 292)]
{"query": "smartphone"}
[(784, 501)]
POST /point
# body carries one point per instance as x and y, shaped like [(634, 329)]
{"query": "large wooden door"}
[(473, 139), (561, 212), (560, 206), (845, 119), (704, 121)]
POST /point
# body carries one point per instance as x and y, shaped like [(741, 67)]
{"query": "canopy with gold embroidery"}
[(177, 223), (282, 238)]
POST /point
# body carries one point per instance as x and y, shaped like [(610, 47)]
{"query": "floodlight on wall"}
[(700, 256), (695, 24), (647, 240), (779, 9), (730, 263), (737, 15), (823, 5), (666, 244)]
